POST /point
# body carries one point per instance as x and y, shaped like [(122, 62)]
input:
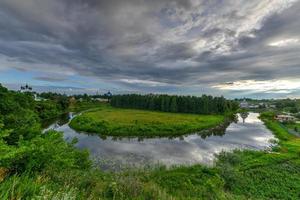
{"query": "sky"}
[(235, 48)]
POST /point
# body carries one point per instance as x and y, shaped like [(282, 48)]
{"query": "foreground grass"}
[(130, 122)]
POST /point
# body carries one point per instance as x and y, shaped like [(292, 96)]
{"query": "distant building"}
[(244, 104), (272, 106), (285, 118), (101, 99), (253, 106), (37, 98), (108, 94), (26, 88), (72, 99)]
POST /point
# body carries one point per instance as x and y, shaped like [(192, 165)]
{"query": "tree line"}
[(205, 104)]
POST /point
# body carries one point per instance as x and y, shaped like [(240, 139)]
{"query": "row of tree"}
[(178, 104)]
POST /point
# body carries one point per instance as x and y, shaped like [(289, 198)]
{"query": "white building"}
[(253, 106), (285, 118), (101, 99), (26, 88), (244, 104)]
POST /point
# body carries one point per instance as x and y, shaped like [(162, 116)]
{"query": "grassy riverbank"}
[(265, 175), (130, 122)]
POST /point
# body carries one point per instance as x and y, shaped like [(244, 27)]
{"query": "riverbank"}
[(242, 174), (264, 174), (110, 121)]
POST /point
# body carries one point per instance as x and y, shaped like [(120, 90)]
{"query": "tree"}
[(173, 106), (151, 104), (181, 104), (294, 109)]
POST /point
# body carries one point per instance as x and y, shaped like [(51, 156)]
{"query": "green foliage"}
[(24, 124), (268, 115), (48, 109), (181, 104), (52, 106), (129, 122), (47, 151), (277, 128), (18, 115), (20, 187), (79, 106), (260, 175), (191, 182), (173, 106)]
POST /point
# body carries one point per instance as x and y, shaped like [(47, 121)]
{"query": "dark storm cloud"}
[(175, 51), (152, 44)]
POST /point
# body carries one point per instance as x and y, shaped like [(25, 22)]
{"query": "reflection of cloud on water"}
[(189, 149)]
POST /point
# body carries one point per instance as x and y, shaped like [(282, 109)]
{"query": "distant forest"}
[(178, 104)]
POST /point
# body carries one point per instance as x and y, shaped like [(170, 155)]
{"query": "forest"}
[(205, 104)]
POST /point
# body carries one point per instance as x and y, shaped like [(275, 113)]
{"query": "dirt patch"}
[(3, 173)]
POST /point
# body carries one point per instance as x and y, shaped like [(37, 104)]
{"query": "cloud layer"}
[(163, 46)]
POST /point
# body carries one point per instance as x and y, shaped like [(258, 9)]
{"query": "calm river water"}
[(190, 149)]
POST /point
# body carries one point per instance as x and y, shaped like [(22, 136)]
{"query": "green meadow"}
[(112, 121)]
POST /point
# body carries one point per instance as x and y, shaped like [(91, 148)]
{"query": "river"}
[(110, 152)]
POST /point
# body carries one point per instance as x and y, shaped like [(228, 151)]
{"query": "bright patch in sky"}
[(272, 86), (144, 82), (284, 42)]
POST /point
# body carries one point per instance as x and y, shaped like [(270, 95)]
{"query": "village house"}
[(244, 104), (285, 118), (253, 106), (37, 98), (272, 106), (101, 99)]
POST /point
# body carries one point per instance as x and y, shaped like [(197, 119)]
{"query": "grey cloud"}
[(175, 51), (50, 79), (176, 42)]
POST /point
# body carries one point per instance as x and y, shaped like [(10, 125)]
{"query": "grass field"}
[(129, 122)]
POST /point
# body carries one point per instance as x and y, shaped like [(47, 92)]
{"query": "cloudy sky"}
[(232, 48)]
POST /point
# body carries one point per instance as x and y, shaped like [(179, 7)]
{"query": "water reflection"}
[(57, 122), (189, 149)]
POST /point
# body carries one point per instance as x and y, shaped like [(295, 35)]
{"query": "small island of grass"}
[(110, 121)]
